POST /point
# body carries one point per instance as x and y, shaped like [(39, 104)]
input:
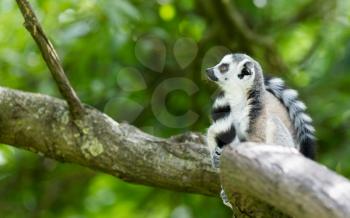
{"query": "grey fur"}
[(304, 131), (238, 57)]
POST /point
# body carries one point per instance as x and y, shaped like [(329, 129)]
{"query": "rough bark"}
[(281, 176), (42, 124), (273, 174)]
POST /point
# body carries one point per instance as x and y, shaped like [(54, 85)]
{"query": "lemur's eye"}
[(223, 68), (244, 72)]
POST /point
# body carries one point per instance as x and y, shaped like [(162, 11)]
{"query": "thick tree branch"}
[(281, 176), (51, 58), (273, 174), (42, 124)]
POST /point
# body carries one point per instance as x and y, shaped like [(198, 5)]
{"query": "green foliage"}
[(112, 52)]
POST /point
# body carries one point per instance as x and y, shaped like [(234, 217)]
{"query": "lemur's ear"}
[(247, 70)]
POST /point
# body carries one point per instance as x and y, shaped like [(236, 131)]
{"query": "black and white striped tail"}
[(301, 121)]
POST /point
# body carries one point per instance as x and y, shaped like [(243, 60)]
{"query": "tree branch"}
[(235, 29), (238, 21), (51, 58), (273, 174), (41, 124), (281, 176)]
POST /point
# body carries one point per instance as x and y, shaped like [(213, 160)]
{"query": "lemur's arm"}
[(222, 131)]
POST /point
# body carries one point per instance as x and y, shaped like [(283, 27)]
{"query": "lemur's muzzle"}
[(211, 75)]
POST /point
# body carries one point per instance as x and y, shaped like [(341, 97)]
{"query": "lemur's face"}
[(234, 70)]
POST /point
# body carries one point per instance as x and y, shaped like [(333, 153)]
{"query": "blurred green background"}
[(122, 55)]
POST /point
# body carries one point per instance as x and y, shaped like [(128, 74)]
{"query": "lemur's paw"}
[(216, 157), (215, 162)]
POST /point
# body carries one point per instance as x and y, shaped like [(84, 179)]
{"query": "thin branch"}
[(238, 21), (265, 42), (319, 37), (51, 58), (314, 9), (235, 30)]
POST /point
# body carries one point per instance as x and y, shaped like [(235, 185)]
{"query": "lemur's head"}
[(236, 71)]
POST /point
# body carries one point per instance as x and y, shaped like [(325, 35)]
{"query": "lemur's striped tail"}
[(301, 121)]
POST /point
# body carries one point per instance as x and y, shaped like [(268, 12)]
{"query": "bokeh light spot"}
[(260, 3), (167, 12)]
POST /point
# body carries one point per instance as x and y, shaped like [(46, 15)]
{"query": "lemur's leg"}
[(216, 163), (217, 141), (217, 155), (221, 133)]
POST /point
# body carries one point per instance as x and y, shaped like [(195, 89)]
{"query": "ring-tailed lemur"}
[(251, 108)]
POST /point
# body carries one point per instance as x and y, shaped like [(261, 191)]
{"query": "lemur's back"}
[(273, 126)]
